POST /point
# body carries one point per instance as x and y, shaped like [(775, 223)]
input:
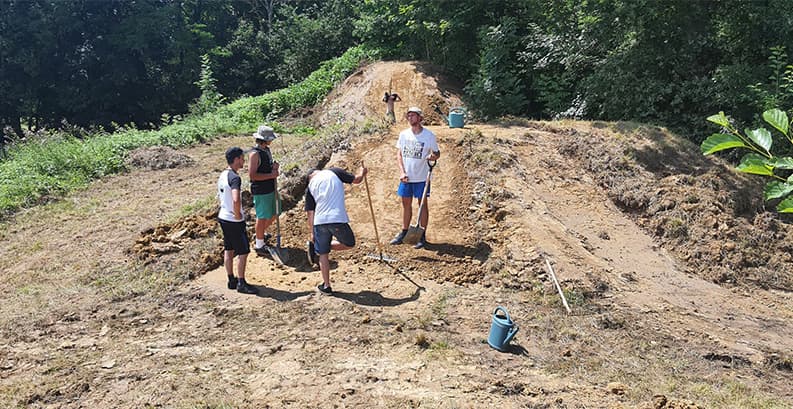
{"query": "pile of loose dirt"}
[(699, 208), (169, 238), (418, 84), (157, 157)]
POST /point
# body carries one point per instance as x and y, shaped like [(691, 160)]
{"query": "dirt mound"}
[(169, 238), (710, 216), (601, 203), (418, 84), (157, 157)]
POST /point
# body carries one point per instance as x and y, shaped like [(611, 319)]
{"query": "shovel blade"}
[(275, 255), (413, 235)]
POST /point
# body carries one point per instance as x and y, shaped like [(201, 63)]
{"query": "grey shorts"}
[(324, 233)]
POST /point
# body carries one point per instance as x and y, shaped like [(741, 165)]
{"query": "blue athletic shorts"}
[(324, 233), (234, 237), (412, 189)]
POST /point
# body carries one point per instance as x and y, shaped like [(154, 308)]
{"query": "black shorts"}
[(235, 237)]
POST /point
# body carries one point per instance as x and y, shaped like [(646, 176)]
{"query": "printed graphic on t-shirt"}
[(413, 150)]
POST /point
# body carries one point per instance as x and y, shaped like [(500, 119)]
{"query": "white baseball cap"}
[(415, 110)]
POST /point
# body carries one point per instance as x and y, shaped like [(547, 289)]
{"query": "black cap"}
[(233, 153)]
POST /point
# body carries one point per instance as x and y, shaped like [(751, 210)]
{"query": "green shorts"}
[(264, 205)]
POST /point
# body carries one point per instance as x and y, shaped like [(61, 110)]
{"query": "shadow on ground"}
[(375, 299)]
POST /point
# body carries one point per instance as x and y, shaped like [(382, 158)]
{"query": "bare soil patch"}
[(157, 157), (115, 297)]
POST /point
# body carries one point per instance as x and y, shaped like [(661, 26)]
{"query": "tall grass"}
[(48, 168)]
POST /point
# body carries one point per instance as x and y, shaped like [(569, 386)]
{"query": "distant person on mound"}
[(416, 146), (389, 100), (235, 238), (263, 171), (327, 217)]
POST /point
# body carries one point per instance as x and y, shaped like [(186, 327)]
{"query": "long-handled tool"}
[(415, 233), (276, 252), (382, 256)]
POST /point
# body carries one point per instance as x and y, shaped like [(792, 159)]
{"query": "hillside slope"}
[(680, 290)]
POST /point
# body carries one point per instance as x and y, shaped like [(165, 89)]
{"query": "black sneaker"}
[(245, 288), (324, 290), (398, 239), (232, 284), (311, 254), (262, 251), (421, 243)]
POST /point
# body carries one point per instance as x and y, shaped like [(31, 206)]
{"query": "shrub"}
[(760, 160), (49, 167)]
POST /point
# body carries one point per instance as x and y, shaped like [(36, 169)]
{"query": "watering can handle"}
[(504, 310)]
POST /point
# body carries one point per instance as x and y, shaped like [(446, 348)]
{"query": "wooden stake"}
[(556, 283)]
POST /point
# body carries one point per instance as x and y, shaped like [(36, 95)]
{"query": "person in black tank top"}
[(263, 171)]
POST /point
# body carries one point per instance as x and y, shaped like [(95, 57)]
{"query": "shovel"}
[(415, 232), (382, 256), (275, 253)]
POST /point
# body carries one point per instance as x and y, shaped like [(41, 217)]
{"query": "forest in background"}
[(89, 63)]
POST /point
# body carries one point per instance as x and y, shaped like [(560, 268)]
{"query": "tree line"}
[(670, 62), (100, 62)]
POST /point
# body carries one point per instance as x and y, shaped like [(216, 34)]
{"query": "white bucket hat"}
[(415, 110), (265, 133)]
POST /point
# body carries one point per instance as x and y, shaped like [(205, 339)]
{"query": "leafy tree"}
[(760, 160), (210, 98), (245, 64), (495, 88), (306, 35), (778, 91)]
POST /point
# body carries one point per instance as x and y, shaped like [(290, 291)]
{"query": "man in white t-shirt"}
[(415, 148), (232, 222), (327, 216)]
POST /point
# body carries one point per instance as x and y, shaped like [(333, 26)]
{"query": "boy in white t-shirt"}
[(327, 217), (232, 222), (415, 148)]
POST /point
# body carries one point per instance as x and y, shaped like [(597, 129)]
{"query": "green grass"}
[(734, 394), (199, 205), (47, 168)]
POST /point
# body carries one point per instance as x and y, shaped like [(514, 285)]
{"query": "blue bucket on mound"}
[(457, 117), (501, 330)]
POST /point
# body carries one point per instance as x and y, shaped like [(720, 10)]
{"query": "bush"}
[(51, 166), (495, 88)]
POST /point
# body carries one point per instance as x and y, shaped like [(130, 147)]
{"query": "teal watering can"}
[(457, 117), (501, 330)]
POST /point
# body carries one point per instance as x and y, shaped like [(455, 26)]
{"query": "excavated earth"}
[(677, 278)]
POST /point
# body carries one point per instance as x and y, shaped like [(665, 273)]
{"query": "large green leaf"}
[(778, 119), (719, 142), (782, 163), (776, 189), (785, 206), (720, 119), (790, 179), (761, 137), (754, 164)]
